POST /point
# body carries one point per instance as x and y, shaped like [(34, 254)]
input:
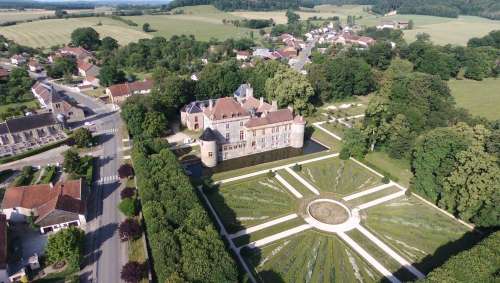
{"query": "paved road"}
[(303, 56), (105, 254)]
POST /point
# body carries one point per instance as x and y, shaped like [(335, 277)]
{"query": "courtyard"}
[(324, 219)]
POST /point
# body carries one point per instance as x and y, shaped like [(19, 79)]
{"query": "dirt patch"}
[(328, 212)]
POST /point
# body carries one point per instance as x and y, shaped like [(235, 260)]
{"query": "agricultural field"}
[(15, 15), (479, 97), (47, 33)]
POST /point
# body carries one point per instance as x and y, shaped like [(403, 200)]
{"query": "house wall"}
[(194, 121), (4, 276), (18, 214), (57, 227)]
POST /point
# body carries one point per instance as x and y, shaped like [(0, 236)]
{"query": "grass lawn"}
[(97, 92), (250, 202), (310, 257), (399, 168), (324, 138), (295, 183), (373, 196), (245, 239), (342, 177), (336, 128), (31, 14), (481, 98), (416, 231), (30, 104), (47, 33)]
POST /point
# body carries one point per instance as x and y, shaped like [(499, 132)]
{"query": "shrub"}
[(66, 245), (125, 171), (271, 174), (408, 193), (386, 179), (297, 167), (83, 137), (130, 229), (133, 272), (128, 207), (344, 153), (128, 192)]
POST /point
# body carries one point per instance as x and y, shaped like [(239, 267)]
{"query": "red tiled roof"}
[(252, 102), (64, 196), (278, 116), (130, 88), (41, 90), (226, 107), (78, 52), (83, 65), (243, 53)]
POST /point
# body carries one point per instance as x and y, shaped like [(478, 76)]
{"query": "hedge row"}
[(184, 244)]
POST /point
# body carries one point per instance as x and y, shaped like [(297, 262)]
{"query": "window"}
[(241, 124), (254, 133), (210, 154), (196, 118), (263, 131), (241, 135), (253, 143), (227, 126), (227, 136)]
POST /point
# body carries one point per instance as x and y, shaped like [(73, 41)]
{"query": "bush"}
[(133, 272), (128, 192), (83, 137), (271, 174), (386, 179), (344, 153), (128, 207), (125, 171), (297, 167), (408, 192), (66, 245), (130, 229)]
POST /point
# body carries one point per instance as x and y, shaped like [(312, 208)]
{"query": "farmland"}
[(47, 33), (479, 97), (11, 15)]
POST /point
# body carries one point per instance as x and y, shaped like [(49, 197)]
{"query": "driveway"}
[(31, 240)]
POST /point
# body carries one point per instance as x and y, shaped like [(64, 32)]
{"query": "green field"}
[(310, 257), (398, 168), (15, 15), (335, 128), (250, 202), (32, 104), (415, 230), (47, 33), (373, 196), (481, 98), (341, 177)]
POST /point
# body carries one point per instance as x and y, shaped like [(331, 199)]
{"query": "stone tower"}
[(298, 129), (208, 146)]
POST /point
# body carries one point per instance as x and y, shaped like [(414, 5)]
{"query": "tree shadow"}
[(443, 253), (95, 200), (94, 240)]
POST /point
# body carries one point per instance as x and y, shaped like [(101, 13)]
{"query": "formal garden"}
[(324, 218)]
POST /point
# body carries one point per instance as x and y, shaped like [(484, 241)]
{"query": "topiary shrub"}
[(128, 207), (297, 167), (271, 174), (128, 192), (130, 229), (133, 272), (125, 171), (408, 193), (386, 179), (345, 153)]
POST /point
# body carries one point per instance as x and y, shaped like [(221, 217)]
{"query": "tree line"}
[(184, 244)]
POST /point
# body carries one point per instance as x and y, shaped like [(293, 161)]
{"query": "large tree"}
[(258, 75), (110, 74), (171, 90), (83, 137), (66, 245), (290, 88), (87, 38), (218, 80)]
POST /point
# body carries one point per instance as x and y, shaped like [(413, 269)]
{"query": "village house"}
[(54, 206), (242, 55), (393, 25), (241, 125), (78, 52), (49, 99), (120, 92), (19, 134), (18, 59), (34, 66), (86, 69)]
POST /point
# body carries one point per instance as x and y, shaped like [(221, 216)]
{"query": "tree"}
[(380, 54), (130, 229), (109, 44), (218, 80), (354, 143), (290, 88), (473, 185), (172, 91), (293, 18), (132, 272), (66, 245), (258, 75), (125, 171), (83, 137), (110, 74), (146, 27), (349, 76), (128, 192), (86, 37), (155, 124), (72, 161), (134, 112), (60, 13), (128, 207), (411, 24)]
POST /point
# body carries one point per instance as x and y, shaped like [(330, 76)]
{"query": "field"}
[(11, 15), (479, 97), (47, 33)]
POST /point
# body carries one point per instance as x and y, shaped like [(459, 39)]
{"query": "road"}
[(304, 55), (105, 254)]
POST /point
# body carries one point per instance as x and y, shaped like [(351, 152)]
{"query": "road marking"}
[(127, 157), (288, 186), (263, 226), (108, 179), (303, 181), (278, 236), (391, 252), (125, 140)]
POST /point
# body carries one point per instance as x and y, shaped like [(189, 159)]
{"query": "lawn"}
[(398, 168), (310, 257), (47, 33), (341, 177), (15, 15), (481, 98), (245, 239), (335, 127), (250, 202), (32, 104), (373, 196), (416, 231)]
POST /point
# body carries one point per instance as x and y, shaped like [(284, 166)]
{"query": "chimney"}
[(274, 105), (290, 108), (261, 101), (249, 91), (51, 185), (210, 104)]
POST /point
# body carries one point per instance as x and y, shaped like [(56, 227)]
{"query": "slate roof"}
[(208, 135), (19, 124)]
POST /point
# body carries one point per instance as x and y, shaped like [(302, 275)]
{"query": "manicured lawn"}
[(342, 177), (48, 33), (334, 144), (481, 98), (373, 196), (416, 231), (335, 128), (399, 168), (250, 202), (295, 183), (310, 257), (245, 239)]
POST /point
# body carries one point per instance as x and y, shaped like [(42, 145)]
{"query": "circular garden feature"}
[(328, 211)]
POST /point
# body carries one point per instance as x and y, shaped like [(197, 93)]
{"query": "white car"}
[(89, 124)]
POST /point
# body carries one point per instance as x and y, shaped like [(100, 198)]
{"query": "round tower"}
[(208, 147), (298, 129)]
